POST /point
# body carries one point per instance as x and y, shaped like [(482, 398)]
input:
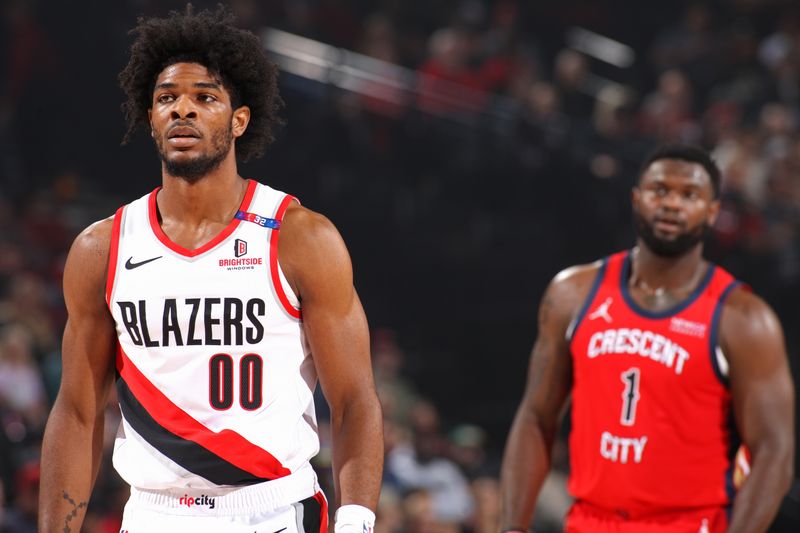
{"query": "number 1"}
[(630, 396)]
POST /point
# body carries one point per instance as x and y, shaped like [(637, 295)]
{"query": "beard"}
[(193, 169), (669, 247)]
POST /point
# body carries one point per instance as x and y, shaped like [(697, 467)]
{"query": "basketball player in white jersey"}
[(212, 304)]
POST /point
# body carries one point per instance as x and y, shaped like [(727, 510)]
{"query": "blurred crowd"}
[(510, 142)]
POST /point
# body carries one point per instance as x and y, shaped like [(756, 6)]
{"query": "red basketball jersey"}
[(652, 428)]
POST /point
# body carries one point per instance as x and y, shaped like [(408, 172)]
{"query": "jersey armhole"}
[(113, 254), (286, 296), (576, 322), (718, 360)]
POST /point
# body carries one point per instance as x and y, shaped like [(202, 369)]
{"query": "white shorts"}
[(292, 504)]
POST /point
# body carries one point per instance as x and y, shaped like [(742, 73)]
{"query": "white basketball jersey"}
[(214, 377)]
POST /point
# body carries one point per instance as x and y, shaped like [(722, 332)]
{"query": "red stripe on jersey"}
[(227, 444), (113, 253), (323, 518), (273, 261), (224, 234)]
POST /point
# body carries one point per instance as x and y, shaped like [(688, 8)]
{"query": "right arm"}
[(526, 461), (73, 438)]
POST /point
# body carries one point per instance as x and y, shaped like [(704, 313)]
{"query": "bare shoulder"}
[(310, 246), (308, 224), (87, 263), (95, 239), (570, 287), (747, 318)]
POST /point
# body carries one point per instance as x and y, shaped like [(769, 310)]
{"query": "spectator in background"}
[(396, 392), (778, 125), (610, 144), (421, 465), (468, 451), (542, 126), (421, 517), (720, 122), (693, 45), (667, 113), (780, 54), (21, 387), (572, 81), (486, 493), (21, 518), (743, 166), (12, 261), (450, 84), (745, 81), (378, 38), (389, 517), (27, 304)]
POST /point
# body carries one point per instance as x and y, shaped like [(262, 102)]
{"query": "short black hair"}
[(687, 152), (210, 39)]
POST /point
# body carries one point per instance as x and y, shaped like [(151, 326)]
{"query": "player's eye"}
[(165, 98), (207, 98)]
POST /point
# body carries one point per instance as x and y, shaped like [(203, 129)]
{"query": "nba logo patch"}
[(239, 247)]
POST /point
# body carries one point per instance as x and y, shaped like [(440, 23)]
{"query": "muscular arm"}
[(763, 404), (315, 261), (72, 445), (526, 461)]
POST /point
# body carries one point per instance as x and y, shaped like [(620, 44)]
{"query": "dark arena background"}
[(466, 150)]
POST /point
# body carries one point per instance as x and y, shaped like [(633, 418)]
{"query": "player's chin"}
[(667, 237), (183, 155)]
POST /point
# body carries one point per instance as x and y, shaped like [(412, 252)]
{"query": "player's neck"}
[(214, 197), (666, 274)]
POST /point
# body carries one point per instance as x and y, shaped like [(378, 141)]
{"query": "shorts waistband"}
[(262, 497), (653, 515)]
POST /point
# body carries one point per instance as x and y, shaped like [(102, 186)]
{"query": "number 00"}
[(221, 381)]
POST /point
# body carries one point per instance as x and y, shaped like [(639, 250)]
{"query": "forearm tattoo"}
[(76, 507)]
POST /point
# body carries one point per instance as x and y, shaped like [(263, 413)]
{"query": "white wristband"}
[(353, 519)]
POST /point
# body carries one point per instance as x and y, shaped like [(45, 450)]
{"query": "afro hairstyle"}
[(210, 39)]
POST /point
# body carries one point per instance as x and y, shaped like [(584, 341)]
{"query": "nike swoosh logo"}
[(281, 529), (130, 265)]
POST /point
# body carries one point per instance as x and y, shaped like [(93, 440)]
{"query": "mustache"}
[(186, 127), (668, 218)]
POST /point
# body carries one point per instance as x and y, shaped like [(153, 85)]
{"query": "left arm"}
[(316, 263), (763, 405)]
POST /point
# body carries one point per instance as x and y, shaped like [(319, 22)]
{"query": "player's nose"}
[(183, 108), (672, 200)]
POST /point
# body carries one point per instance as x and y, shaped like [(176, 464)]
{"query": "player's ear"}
[(636, 195), (240, 120), (713, 211)]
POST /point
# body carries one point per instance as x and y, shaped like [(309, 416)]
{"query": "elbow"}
[(363, 406), (529, 426), (781, 458)]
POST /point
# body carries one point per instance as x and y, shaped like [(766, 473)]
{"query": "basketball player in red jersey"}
[(670, 364), (216, 394)]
